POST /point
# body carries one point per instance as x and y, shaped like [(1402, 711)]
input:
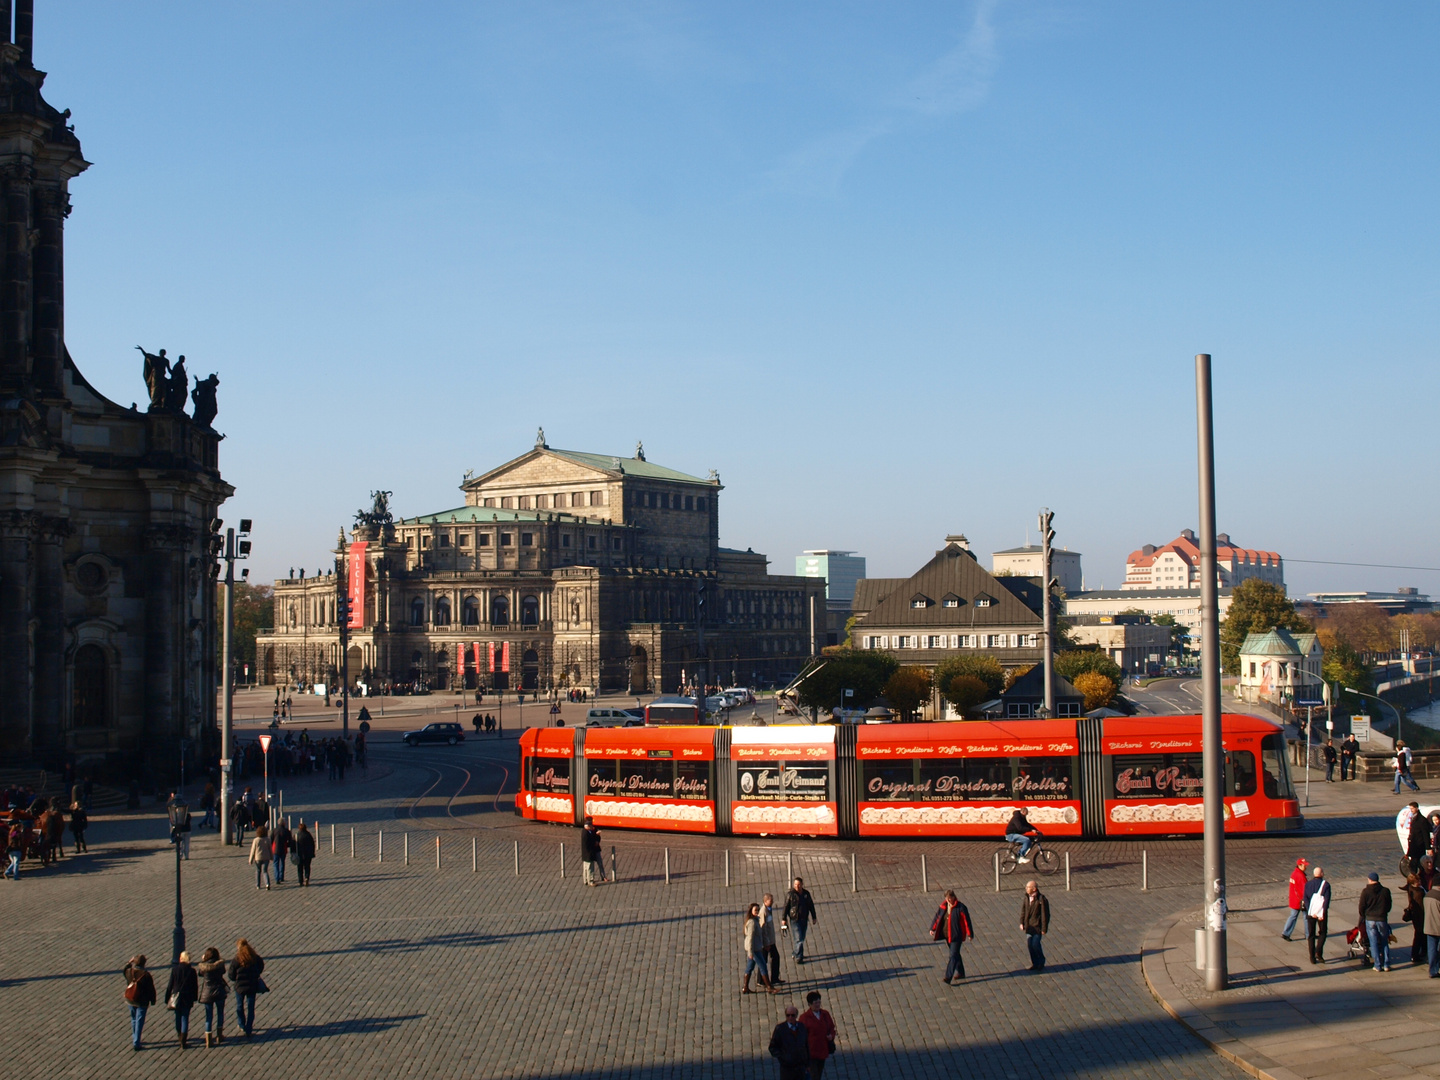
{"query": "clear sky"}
[(894, 271)]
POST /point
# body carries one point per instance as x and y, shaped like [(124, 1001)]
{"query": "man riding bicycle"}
[(1021, 832)]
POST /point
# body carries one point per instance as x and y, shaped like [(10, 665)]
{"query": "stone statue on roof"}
[(540, 443), (378, 516), (639, 451)]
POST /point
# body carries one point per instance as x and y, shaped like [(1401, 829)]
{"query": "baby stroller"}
[(1357, 947)]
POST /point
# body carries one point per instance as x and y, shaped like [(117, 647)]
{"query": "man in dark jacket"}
[(1375, 904), (280, 843), (304, 852), (1349, 747), (799, 909), (790, 1046), (1035, 921), (955, 928), (1021, 832), (1329, 754), (590, 854)]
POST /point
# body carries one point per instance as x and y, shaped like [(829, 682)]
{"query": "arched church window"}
[(500, 611), (92, 705), (530, 611), (470, 612), (442, 612), (417, 612)]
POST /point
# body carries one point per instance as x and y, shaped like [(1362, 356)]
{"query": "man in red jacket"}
[(1297, 896), (821, 1030)]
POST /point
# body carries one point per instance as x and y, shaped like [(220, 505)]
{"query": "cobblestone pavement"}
[(383, 969)]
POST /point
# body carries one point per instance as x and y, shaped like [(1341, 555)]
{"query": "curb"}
[(1167, 994)]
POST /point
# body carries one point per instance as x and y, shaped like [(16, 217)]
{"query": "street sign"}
[(265, 743), (1310, 704)]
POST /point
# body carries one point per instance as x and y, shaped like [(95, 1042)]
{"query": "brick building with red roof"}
[(1177, 564)]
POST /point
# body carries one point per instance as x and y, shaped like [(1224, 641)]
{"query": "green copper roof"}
[(631, 466), (470, 515)]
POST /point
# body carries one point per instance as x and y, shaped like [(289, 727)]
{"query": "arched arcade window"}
[(530, 611), (500, 611)]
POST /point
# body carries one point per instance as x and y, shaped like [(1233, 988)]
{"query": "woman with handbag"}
[(754, 952), (260, 854), (213, 992), (245, 972), (180, 994), (139, 995)]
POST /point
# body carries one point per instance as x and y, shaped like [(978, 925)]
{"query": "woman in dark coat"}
[(213, 992), (1414, 914), (139, 995), (245, 972), (79, 822), (180, 994), (304, 852)]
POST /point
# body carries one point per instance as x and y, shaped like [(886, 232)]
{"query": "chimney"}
[(959, 540), (1222, 539), (1148, 549), (25, 28), (1188, 534)]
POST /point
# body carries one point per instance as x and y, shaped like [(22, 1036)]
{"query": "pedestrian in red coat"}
[(1297, 896), (820, 1028)]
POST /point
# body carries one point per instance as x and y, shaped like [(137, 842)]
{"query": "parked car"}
[(447, 733), (605, 717)]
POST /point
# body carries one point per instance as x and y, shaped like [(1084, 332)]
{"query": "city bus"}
[(1090, 777)]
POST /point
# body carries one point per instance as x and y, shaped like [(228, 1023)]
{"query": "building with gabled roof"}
[(1281, 666), (561, 569), (1177, 564), (950, 605)]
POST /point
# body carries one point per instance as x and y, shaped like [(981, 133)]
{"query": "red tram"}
[(1090, 777)]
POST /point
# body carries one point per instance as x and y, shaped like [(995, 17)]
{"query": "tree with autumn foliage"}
[(907, 690), (1099, 691), (1256, 607)]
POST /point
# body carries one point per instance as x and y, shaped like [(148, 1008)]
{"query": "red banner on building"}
[(505, 657), (460, 662), (476, 647), (357, 585)]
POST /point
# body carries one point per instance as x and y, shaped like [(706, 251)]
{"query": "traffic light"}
[(342, 610)]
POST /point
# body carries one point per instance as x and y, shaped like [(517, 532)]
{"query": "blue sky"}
[(893, 274)]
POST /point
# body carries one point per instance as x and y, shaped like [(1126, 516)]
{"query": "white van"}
[(608, 718)]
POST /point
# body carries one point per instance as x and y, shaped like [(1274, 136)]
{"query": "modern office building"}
[(840, 571), (1026, 562)]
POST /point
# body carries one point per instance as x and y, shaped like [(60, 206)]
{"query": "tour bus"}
[(1091, 777), (674, 710)]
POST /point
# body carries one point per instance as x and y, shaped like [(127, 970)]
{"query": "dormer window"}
[(983, 600), (919, 600), (950, 600)]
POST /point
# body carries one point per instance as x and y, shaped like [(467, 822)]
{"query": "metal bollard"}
[(727, 868), (407, 849), (853, 887), (332, 838), (924, 877), (1067, 871), (789, 868), (289, 822), (517, 858), (1144, 871), (380, 846), (352, 841), (437, 851), (474, 856), (613, 877), (562, 862), (997, 871), (667, 866)]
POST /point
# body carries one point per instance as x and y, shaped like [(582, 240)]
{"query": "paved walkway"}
[(1286, 1019)]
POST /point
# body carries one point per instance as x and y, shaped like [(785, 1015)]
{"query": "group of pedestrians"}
[(204, 983), (952, 924), (1345, 757), (270, 849), (760, 941)]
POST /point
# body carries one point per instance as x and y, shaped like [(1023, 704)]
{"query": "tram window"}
[(891, 781), (965, 779), (692, 779), (1158, 776), (1277, 769), (1041, 779), (550, 774), (779, 781), (1242, 774), (653, 779)]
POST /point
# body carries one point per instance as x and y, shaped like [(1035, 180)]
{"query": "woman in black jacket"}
[(180, 994), (245, 972), (139, 995), (213, 992), (304, 852)]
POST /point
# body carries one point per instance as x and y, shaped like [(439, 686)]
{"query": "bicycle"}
[(1042, 858)]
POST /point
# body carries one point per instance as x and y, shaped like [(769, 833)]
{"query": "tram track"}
[(448, 780)]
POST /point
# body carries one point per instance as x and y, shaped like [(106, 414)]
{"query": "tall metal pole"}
[(178, 937), (227, 692), (1046, 535), (345, 643), (1217, 965)]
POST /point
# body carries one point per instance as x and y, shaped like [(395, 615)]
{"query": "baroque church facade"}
[(107, 625), (561, 569)]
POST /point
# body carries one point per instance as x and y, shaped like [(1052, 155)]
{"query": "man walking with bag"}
[(1317, 914), (800, 910), (1035, 921), (952, 925)]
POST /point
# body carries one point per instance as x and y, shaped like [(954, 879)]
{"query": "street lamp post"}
[(179, 814), (1376, 697), (228, 549)]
